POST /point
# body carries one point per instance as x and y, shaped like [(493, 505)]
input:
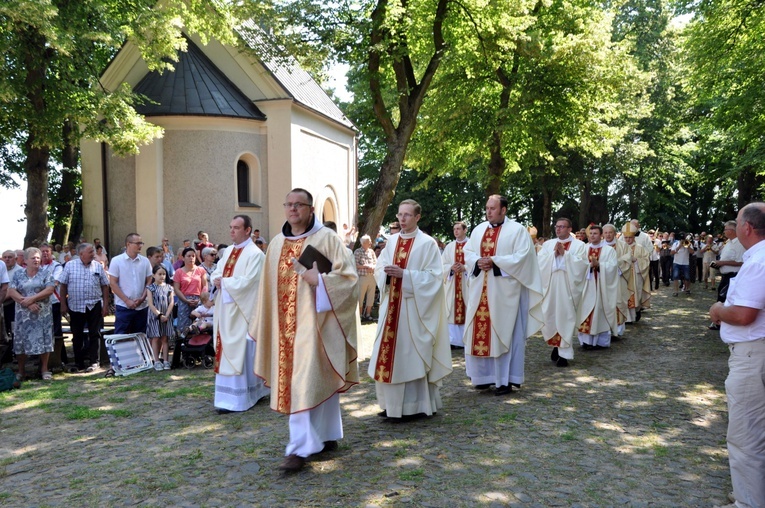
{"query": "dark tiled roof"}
[(296, 81), (196, 87)]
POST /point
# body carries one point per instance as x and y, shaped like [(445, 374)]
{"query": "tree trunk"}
[(38, 152), (547, 200), (67, 194), (411, 95), (747, 186), (584, 204), (36, 209)]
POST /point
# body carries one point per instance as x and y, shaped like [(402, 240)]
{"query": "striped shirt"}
[(83, 284)]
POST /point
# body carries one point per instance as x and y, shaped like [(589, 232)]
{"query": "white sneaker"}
[(158, 366), (166, 365)]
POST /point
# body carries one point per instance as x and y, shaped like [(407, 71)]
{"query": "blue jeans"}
[(130, 320), (681, 272)]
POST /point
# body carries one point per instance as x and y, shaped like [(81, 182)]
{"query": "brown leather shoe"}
[(292, 463)]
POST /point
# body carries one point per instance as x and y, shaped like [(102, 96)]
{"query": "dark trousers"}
[(722, 288), (57, 330), (86, 350), (692, 267), (653, 274), (666, 269), (130, 320), (9, 316), (699, 268)]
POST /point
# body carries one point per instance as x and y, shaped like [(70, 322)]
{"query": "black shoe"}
[(599, 348), (586, 347), (515, 385), (383, 414), (554, 354), (562, 362), (483, 387), (637, 316), (222, 411), (329, 446), (502, 390)]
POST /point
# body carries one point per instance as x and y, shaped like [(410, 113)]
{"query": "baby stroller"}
[(194, 350)]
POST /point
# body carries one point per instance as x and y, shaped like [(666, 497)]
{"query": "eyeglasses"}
[(137, 243), (295, 206), (404, 215), (560, 227)]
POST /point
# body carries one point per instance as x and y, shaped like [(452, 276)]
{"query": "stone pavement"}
[(642, 424)]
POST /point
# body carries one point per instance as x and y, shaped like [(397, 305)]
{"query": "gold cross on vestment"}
[(487, 244), (481, 348), (482, 314), (382, 373)]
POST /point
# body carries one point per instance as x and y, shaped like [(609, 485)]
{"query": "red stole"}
[(555, 339), (480, 342), (228, 271), (631, 301), (459, 298), (586, 325), (387, 353)]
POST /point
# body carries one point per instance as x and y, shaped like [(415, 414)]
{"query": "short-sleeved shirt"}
[(132, 274), (4, 274), (365, 257), (54, 269), (747, 290), (682, 254), (731, 251), (190, 283), (83, 284)]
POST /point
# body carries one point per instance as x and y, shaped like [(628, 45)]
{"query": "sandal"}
[(109, 373), (47, 376)]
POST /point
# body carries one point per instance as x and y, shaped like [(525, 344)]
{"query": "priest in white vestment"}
[(236, 279), (623, 263), (563, 266), (455, 284), (505, 300), (638, 283), (411, 352), (597, 310), (306, 325)]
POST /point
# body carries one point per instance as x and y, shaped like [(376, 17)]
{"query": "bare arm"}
[(733, 315)]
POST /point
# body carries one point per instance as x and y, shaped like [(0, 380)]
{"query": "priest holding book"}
[(306, 324)]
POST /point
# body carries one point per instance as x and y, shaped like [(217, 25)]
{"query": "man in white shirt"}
[(681, 266), (129, 274), (742, 323)]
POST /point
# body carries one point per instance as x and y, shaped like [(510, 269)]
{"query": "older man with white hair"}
[(366, 261)]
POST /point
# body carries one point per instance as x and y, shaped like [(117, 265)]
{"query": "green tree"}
[(54, 52)]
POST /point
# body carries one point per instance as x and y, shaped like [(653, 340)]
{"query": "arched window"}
[(248, 181)]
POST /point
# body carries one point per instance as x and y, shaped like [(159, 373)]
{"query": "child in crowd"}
[(160, 323), (203, 315)]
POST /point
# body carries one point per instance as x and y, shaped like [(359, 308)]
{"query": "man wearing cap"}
[(638, 286)]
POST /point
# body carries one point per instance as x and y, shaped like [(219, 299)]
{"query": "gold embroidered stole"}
[(631, 301), (586, 325), (228, 271), (286, 291), (555, 339), (459, 298), (480, 342), (387, 353)]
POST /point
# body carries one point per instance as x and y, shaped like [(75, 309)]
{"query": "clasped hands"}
[(485, 264)]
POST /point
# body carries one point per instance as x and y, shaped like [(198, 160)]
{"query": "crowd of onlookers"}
[(44, 288)]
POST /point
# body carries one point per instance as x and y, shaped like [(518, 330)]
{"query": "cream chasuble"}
[(239, 270), (623, 265), (455, 285), (412, 338), (638, 283), (562, 285), (306, 356), (597, 310), (489, 331)]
